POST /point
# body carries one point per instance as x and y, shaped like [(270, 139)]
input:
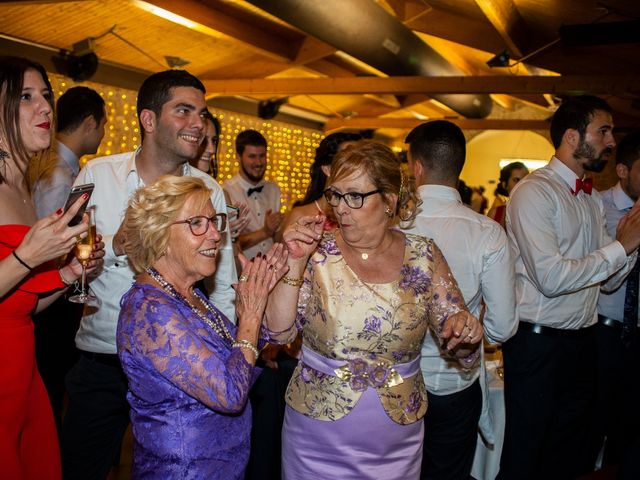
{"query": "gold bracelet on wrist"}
[(64, 280), (294, 282), (246, 344)]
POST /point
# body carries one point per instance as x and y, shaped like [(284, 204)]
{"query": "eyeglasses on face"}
[(352, 199), (199, 225)]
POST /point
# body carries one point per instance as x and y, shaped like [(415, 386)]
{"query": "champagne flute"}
[(83, 250)]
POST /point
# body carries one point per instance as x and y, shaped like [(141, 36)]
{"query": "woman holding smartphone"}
[(29, 279)]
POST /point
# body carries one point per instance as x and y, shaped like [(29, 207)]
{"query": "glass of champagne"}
[(83, 250)]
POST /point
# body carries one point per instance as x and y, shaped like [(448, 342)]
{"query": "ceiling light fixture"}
[(499, 60)]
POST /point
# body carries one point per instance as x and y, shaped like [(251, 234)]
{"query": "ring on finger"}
[(244, 277), (78, 238)]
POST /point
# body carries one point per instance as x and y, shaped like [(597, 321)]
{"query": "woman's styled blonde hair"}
[(151, 212), (384, 170)]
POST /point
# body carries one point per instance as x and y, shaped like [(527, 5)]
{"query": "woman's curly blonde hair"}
[(151, 212), (384, 170)]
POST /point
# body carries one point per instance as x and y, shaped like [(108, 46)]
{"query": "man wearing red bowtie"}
[(556, 225)]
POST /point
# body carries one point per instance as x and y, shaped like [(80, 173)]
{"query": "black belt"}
[(110, 359), (553, 332), (609, 322)]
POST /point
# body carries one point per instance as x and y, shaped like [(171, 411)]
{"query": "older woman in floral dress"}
[(364, 297)]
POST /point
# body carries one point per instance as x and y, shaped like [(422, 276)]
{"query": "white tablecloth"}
[(486, 462)]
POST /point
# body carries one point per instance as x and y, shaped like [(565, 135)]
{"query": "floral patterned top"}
[(371, 328)]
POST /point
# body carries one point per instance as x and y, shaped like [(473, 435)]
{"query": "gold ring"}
[(78, 238), (244, 278)]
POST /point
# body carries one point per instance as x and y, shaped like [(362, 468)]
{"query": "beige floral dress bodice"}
[(371, 330)]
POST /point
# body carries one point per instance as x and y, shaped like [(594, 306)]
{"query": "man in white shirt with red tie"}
[(563, 254), (248, 187)]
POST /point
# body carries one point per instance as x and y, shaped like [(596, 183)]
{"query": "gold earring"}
[(387, 210)]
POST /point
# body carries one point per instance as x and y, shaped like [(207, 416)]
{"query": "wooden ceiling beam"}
[(568, 85), (506, 19), (409, 123), (205, 17)]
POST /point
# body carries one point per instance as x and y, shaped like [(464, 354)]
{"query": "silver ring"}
[(243, 278)]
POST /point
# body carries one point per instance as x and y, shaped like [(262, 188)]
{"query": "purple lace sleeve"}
[(446, 300), (162, 334)]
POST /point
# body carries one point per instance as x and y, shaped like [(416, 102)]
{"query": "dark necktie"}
[(254, 190), (585, 185), (630, 318)]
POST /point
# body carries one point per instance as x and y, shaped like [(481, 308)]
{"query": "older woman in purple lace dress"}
[(189, 368)]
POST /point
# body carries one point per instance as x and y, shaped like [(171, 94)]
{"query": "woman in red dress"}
[(29, 279)]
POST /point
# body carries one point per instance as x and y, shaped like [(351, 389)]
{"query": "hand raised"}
[(302, 236), (51, 237)]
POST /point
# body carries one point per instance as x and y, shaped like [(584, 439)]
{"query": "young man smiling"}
[(249, 187), (170, 108)]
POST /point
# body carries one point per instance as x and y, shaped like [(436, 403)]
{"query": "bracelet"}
[(64, 280), (21, 261), (294, 282), (246, 344)]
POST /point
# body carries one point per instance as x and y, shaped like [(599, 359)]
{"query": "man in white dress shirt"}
[(248, 187), (563, 253), (477, 251), (171, 107), (617, 416)]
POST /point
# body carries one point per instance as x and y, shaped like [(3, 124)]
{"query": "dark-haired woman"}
[(29, 280), (510, 175)]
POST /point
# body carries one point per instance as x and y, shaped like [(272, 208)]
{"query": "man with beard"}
[(171, 110), (617, 417), (248, 187), (563, 253)]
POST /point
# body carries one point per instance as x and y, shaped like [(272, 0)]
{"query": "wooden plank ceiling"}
[(238, 50)]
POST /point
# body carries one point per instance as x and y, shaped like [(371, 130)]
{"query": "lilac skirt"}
[(365, 444)]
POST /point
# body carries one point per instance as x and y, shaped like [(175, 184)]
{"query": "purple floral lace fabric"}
[(188, 390)]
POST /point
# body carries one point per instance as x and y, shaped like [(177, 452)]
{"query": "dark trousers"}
[(617, 415), (268, 406), (96, 420), (55, 330), (450, 434), (550, 388)]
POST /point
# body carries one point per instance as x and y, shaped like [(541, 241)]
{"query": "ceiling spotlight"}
[(176, 62), (499, 60)]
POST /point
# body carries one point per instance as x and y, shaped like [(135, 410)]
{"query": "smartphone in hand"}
[(232, 212), (75, 193)]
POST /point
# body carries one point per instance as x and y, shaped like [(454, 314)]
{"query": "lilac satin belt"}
[(360, 373)]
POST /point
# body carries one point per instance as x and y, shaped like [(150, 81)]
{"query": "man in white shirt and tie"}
[(563, 254), (477, 251), (171, 109), (248, 187)]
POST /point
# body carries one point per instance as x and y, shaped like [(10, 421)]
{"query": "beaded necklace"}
[(217, 324)]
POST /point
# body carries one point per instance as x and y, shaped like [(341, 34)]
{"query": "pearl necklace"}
[(217, 324)]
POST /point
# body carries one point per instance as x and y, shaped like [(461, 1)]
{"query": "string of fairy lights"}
[(290, 151)]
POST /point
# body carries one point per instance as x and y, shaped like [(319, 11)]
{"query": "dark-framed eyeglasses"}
[(199, 225), (352, 199)]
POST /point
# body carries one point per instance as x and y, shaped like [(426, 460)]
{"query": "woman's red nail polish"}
[(85, 196), (59, 211)]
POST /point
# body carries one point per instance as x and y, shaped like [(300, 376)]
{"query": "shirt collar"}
[(245, 184), (133, 177), (564, 172), (67, 155), (621, 200), (439, 191)]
